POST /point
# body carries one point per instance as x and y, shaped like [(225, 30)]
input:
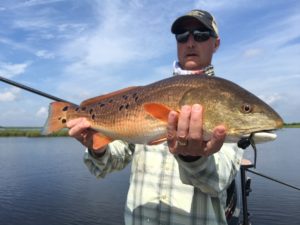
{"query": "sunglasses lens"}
[(183, 37), (200, 36)]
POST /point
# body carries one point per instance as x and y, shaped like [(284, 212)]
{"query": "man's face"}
[(193, 55)]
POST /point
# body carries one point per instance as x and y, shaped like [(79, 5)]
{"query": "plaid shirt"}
[(166, 190)]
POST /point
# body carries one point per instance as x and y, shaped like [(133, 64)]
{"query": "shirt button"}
[(164, 197)]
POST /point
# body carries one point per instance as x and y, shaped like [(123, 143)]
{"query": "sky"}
[(77, 49)]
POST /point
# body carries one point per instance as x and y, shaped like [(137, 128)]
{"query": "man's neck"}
[(178, 70)]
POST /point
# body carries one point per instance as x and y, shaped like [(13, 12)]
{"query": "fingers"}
[(77, 126), (217, 140), (79, 129), (195, 127), (172, 130), (185, 133), (184, 122)]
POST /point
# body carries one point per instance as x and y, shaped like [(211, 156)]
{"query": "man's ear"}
[(217, 44)]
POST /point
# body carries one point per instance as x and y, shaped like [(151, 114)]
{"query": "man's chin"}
[(191, 65)]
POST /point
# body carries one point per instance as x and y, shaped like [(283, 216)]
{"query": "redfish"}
[(139, 114)]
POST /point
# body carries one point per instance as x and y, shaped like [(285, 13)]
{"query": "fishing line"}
[(273, 179), (246, 142)]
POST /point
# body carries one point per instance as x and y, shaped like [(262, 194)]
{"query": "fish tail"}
[(57, 117)]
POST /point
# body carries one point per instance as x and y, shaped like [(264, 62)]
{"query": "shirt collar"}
[(177, 70)]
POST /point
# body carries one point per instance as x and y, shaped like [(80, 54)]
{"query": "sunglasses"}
[(198, 36)]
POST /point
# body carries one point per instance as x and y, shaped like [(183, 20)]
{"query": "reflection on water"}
[(44, 181)]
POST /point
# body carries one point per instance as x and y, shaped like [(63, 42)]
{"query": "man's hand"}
[(80, 129), (185, 135)]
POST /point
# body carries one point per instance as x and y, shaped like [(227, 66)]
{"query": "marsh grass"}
[(29, 132)]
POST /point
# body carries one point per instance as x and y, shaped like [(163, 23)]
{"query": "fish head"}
[(241, 112), (245, 114)]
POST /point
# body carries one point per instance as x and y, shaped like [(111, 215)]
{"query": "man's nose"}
[(191, 41)]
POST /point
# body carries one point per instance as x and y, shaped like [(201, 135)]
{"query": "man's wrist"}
[(189, 158), (97, 153)]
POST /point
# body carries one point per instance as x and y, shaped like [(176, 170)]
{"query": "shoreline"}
[(29, 132)]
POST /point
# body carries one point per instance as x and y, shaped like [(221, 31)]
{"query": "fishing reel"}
[(245, 143)]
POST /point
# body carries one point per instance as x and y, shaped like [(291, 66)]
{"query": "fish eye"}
[(246, 108)]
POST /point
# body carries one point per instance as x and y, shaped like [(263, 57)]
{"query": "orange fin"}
[(57, 117), (100, 140), (158, 111), (100, 98), (158, 141)]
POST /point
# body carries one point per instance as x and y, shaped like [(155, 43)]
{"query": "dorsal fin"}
[(100, 98)]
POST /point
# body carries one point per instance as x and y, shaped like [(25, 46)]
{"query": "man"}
[(183, 181)]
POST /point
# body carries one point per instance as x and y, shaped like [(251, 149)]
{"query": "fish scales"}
[(139, 114)]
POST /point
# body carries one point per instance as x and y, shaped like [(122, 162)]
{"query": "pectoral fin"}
[(100, 141), (158, 111)]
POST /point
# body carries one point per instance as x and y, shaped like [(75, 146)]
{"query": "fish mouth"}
[(265, 135), (261, 136)]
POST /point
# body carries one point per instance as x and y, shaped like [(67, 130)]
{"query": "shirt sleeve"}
[(117, 156), (212, 174)]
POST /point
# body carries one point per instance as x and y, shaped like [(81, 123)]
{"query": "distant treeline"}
[(28, 132), (292, 125)]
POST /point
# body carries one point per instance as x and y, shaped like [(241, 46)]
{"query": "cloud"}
[(9, 95), (249, 53), (32, 24), (271, 99), (42, 112), (45, 54), (40, 2), (10, 70), (117, 40), (222, 5)]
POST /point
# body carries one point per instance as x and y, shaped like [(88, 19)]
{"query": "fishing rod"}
[(273, 179), (32, 90)]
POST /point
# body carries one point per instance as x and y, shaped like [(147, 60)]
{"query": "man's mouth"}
[(191, 55)]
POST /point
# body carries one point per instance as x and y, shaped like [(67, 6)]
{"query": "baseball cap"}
[(202, 16)]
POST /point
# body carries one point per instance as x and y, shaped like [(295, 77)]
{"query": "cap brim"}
[(177, 25)]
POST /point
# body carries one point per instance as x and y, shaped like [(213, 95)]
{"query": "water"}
[(44, 181), (269, 202)]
